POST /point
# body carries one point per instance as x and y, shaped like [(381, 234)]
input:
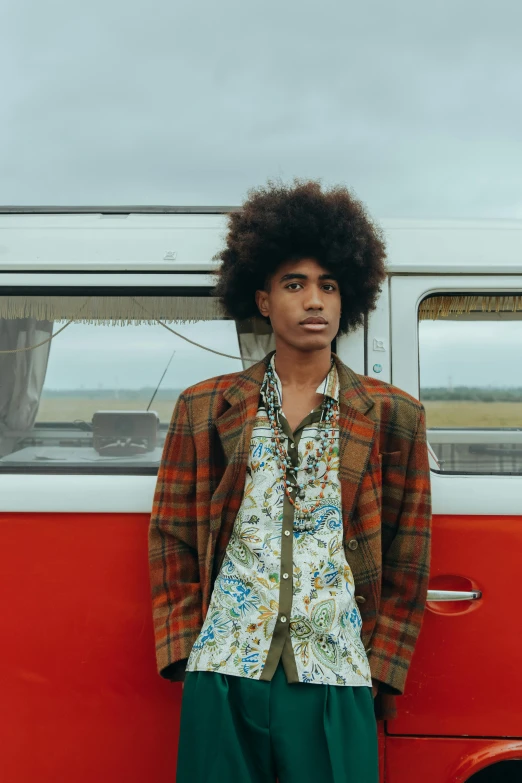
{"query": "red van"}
[(118, 303)]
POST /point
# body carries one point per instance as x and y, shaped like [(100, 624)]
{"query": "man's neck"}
[(301, 370)]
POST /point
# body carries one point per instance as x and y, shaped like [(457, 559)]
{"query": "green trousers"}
[(237, 730)]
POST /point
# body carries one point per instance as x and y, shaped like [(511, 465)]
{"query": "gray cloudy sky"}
[(415, 105)]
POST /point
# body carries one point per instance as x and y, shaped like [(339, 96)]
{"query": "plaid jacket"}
[(384, 476)]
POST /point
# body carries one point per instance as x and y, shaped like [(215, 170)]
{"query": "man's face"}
[(303, 303)]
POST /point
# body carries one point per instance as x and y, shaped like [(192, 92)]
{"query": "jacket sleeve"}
[(405, 573), (173, 559)]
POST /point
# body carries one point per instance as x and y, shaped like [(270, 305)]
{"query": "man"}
[(290, 534)]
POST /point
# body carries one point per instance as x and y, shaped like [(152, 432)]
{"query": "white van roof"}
[(184, 239)]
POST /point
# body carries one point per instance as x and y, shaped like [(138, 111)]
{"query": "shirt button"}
[(291, 445), (352, 544), (283, 618), (285, 576), (360, 599), (287, 532)]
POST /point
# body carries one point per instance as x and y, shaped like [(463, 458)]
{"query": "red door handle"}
[(452, 594)]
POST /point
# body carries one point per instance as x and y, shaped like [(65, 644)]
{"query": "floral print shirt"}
[(281, 593)]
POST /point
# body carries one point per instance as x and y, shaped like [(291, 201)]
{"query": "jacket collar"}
[(247, 386)]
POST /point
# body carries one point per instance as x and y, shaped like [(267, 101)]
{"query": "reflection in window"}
[(101, 394), (471, 381)]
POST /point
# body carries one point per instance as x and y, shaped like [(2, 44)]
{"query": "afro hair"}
[(279, 223)]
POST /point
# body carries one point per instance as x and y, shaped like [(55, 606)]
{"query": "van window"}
[(471, 381), (99, 396)]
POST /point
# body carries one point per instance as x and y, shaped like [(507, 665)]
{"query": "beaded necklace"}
[(325, 439)]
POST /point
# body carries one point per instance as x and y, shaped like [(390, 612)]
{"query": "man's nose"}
[(314, 300)]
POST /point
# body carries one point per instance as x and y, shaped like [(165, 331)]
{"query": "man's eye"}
[(294, 286), (329, 287)]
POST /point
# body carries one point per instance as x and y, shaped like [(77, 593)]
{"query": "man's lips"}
[(314, 323), (316, 319)]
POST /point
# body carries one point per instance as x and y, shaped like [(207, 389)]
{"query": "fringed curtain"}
[(112, 310), (128, 310), (452, 305)]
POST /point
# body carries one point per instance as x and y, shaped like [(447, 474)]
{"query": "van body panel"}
[(82, 698), (466, 669), (130, 239), (465, 678), (447, 760), (378, 338)]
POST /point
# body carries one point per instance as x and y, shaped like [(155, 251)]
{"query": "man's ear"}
[(262, 303)]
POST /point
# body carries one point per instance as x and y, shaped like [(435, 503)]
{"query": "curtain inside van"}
[(256, 339), (22, 376)]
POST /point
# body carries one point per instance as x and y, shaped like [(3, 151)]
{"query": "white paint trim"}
[(120, 280), (107, 266), (76, 493), (379, 333), (350, 350), (186, 242), (100, 494), (477, 495)]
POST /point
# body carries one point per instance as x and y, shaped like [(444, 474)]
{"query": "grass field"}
[(440, 413), (461, 413), (71, 408)]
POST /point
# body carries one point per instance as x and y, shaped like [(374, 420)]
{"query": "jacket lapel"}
[(234, 428), (243, 398), (356, 437)]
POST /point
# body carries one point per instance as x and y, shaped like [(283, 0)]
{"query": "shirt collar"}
[(329, 386)]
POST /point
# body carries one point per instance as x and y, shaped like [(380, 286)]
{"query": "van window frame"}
[(414, 289), (201, 287)]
